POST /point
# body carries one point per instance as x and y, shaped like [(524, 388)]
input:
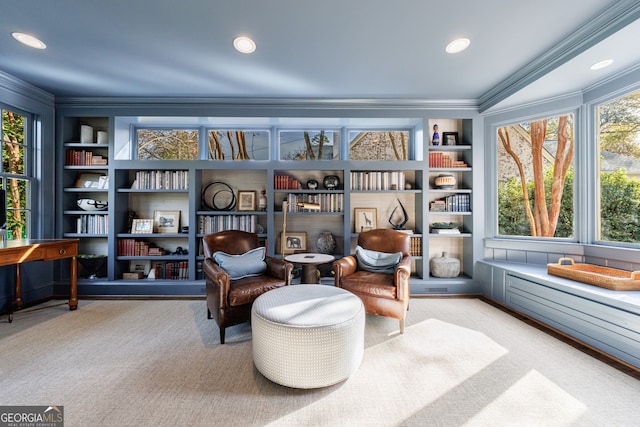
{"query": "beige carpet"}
[(461, 362)]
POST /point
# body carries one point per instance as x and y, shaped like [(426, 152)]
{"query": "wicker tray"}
[(604, 277)]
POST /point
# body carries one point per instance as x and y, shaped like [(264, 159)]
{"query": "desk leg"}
[(17, 290), (73, 283), (309, 274)]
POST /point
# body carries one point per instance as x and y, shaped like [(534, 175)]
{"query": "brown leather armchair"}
[(382, 294), (229, 301)]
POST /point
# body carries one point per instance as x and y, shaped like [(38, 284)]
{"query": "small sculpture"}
[(435, 140), (400, 225)]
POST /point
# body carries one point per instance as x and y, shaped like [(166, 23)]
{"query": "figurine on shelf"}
[(262, 200), (435, 140)]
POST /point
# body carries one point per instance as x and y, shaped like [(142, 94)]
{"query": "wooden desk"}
[(16, 252)]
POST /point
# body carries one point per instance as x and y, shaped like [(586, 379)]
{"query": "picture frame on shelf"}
[(450, 138), (141, 226), (295, 241), (166, 221), (246, 200), (366, 219)]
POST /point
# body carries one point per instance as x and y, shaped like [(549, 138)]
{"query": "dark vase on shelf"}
[(331, 182), (326, 243)]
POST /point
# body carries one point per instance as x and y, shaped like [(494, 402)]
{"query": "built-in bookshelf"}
[(312, 197)]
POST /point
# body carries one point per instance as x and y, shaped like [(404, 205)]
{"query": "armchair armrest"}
[(343, 267), (402, 276), (279, 268), (217, 277)]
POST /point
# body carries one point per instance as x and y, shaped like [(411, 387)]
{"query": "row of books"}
[(284, 182), (208, 224), (161, 180), (416, 246), (133, 247), (92, 224), (169, 270), (377, 180), (324, 202), (84, 158), (452, 203), (444, 160)]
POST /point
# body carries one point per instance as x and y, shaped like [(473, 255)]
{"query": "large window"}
[(535, 178), (619, 169), (13, 173)]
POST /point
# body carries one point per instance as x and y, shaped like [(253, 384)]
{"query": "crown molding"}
[(21, 89), (604, 24), (275, 103)]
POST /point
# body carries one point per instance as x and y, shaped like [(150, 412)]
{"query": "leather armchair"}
[(382, 294), (229, 301)]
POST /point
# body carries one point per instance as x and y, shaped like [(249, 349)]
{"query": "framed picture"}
[(246, 200), (365, 219), (142, 226), (450, 138), (296, 241), (166, 221)]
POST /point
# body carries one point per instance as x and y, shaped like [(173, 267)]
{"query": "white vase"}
[(444, 266)]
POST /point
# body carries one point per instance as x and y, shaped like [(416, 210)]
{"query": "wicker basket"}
[(604, 277)]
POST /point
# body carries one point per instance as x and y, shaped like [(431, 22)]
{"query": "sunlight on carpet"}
[(532, 401), (460, 354)]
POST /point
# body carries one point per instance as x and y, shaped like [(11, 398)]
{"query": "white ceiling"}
[(330, 49)]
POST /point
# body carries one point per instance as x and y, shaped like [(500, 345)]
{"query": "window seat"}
[(605, 319)]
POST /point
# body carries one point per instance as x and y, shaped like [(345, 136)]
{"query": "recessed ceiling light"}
[(29, 40), (458, 45), (602, 64), (244, 44)]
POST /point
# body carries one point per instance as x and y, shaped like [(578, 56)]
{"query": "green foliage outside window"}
[(13, 163), (619, 205)]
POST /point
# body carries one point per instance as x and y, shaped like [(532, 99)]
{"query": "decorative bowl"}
[(92, 205), (445, 180)]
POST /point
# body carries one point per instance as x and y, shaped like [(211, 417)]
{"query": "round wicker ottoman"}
[(307, 336)]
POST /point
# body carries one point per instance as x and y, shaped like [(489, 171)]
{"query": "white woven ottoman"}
[(307, 336)]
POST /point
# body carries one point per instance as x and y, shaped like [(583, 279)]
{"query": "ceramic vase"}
[(444, 266), (326, 244)]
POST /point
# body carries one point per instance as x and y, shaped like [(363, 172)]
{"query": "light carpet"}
[(461, 362)]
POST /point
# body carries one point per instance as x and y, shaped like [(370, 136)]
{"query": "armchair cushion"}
[(377, 262), (250, 263)]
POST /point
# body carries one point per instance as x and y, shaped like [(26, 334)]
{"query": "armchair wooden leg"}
[(222, 335), (402, 326), (209, 316)]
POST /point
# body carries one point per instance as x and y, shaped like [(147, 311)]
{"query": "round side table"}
[(310, 262)]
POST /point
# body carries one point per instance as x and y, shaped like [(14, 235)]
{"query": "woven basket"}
[(604, 277)]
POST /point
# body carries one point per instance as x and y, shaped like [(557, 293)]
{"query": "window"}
[(309, 145), (13, 173), (238, 145), (167, 144), (379, 145), (535, 178), (619, 169)]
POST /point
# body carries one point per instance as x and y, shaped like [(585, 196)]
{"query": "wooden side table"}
[(310, 262)]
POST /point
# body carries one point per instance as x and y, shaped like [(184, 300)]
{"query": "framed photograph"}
[(296, 241), (166, 221), (141, 226), (246, 200), (366, 219), (450, 138)]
